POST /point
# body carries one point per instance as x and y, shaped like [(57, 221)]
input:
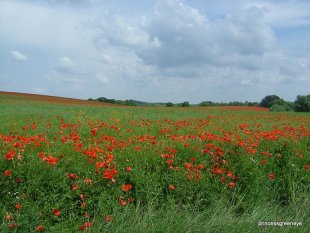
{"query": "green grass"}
[(145, 139)]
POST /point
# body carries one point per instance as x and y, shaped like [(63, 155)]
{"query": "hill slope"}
[(10, 96)]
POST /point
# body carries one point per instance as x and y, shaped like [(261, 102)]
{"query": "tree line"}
[(273, 102), (277, 104)]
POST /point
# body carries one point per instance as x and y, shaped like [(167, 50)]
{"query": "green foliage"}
[(211, 138), (302, 103), (270, 100), (233, 103), (286, 107), (169, 104), (185, 104)]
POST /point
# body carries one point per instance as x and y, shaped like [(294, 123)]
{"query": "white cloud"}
[(284, 14), (18, 56), (66, 65)]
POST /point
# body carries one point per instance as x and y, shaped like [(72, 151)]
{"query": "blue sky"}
[(157, 50)]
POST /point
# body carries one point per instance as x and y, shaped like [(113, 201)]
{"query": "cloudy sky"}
[(156, 50)]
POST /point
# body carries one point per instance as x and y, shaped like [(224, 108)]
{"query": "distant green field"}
[(68, 168)]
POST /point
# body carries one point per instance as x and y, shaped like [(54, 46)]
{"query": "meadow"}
[(74, 168)]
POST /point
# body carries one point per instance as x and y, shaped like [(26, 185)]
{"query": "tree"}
[(185, 104), (270, 100), (302, 103), (169, 104), (207, 103)]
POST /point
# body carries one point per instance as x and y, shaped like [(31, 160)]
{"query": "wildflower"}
[(271, 176), (51, 160), (40, 228), (85, 226), (231, 184), (171, 187), (229, 173), (8, 217), (75, 187), (122, 202), (126, 187), (109, 174), (94, 132), (72, 176), (128, 169), (83, 205), (218, 171), (18, 206), (88, 181), (307, 166), (188, 165), (19, 180), (10, 155), (7, 172), (12, 225), (107, 218), (169, 161), (56, 212)]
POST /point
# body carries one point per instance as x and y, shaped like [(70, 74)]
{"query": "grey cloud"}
[(188, 38), (180, 42)]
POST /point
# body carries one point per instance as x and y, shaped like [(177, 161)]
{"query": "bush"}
[(169, 104), (278, 108), (185, 104)]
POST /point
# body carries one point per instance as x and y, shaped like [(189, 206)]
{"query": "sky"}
[(156, 50)]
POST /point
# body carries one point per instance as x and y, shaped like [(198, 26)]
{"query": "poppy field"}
[(69, 168)]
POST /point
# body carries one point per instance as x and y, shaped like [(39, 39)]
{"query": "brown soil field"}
[(54, 99), (71, 101)]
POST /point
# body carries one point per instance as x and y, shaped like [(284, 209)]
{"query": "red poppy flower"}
[(94, 132), (122, 202), (88, 181), (7, 172), (8, 217), (107, 218), (13, 225), (56, 212), (126, 187), (18, 206), (10, 155), (271, 176), (128, 169), (188, 165), (72, 176), (231, 184), (40, 228), (171, 187)]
